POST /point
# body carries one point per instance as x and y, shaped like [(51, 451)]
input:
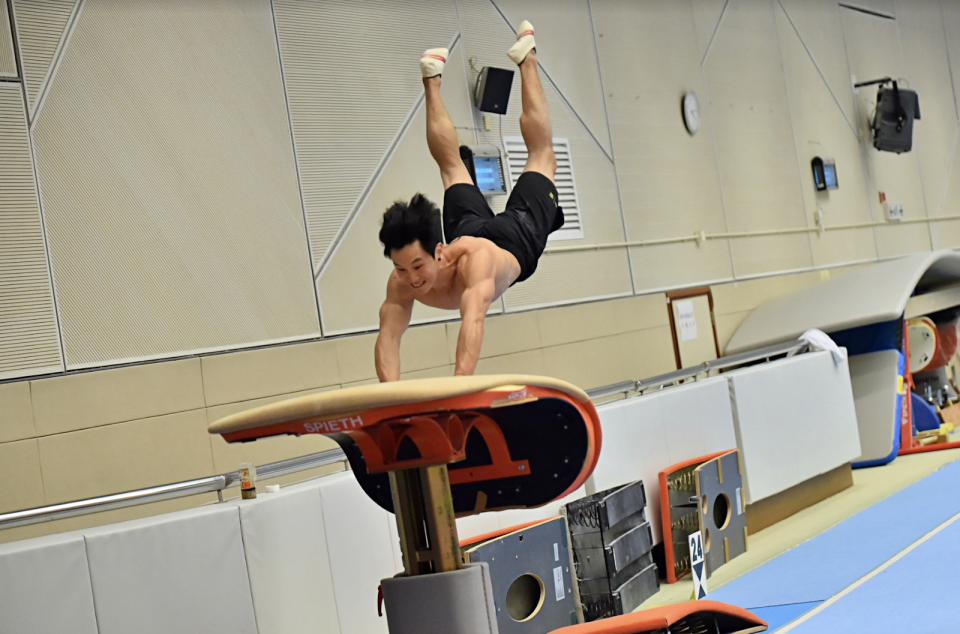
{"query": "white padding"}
[(45, 587), (286, 547), (645, 434), (634, 448), (473, 525), (795, 419), (697, 419), (875, 378), (513, 517), (180, 572), (359, 543)]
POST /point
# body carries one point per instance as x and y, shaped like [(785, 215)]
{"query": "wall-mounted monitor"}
[(485, 165), (824, 173)]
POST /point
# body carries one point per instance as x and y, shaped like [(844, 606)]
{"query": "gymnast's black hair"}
[(405, 223)]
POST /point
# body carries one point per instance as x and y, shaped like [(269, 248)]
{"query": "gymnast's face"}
[(416, 267)]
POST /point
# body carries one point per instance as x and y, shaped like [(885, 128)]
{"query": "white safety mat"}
[(180, 572), (45, 587), (286, 547), (795, 419), (875, 379)]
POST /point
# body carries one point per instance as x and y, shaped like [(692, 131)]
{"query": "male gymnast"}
[(486, 253)]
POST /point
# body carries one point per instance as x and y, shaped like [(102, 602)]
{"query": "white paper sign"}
[(697, 566), (556, 549), (688, 321), (558, 582)]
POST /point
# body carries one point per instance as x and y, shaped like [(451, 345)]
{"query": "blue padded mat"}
[(779, 615), (915, 594), (826, 564)]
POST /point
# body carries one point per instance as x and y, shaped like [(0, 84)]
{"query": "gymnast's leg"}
[(441, 135), (535, 120)]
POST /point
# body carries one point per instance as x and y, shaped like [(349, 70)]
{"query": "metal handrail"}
[(212, 484), (218, 483), (788, 348)]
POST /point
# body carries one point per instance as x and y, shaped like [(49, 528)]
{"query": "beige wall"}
[(198, 184), (88, 434)]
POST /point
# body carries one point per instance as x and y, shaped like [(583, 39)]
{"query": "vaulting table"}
[(432, 450)]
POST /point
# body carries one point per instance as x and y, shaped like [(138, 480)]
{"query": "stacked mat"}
[(612, 551)]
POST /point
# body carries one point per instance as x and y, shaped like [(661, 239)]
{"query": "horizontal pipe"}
[(165, 492), (112, 502), (701, 237)]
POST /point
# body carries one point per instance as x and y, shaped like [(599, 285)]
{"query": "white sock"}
[(432, 61), (525, 43)]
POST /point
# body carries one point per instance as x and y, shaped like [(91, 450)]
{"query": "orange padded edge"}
[(667, 532), (476, 539), (662, 617)]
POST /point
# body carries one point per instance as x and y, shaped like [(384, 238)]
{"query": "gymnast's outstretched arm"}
[(394, 318), (476, 299)]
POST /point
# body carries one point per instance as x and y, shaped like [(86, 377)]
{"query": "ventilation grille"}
[(563, 179), (40, 26), (8, 63), (28, 330)]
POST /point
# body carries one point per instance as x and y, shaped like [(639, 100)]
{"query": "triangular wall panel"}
[(754, 138), (8, 60), (818, 24), (567, 51), (41, 26), (352, 77), (352, 285), (821, 129), (173, 216), (29, 342), (566, 277), (707, 14)]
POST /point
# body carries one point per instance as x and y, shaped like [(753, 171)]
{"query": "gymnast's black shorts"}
[(532, 214)]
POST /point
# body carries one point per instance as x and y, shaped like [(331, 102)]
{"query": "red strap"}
[(379, 600)]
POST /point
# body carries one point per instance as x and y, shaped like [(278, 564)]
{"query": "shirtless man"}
[(486, 253)]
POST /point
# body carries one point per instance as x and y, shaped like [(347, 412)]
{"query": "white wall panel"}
[(168, 184), (352, 78), (927, 70), (172, 573), (8, 60), (41, 26), (45, 587), (822, 129), (567, 51), (29, 342), (951, 28), (754, 137), (794, 419), (873, 52), (669, 182)]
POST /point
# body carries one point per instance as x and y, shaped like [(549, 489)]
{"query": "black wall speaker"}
[(493, 89), (897, 109)]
